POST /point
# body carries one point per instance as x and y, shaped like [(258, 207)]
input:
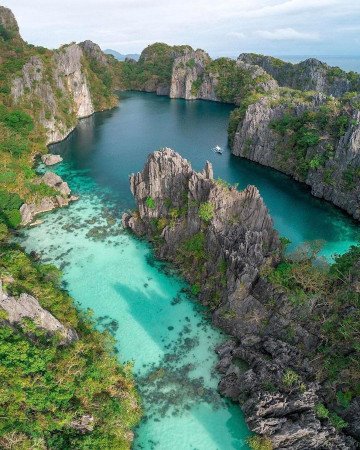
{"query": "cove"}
[(166, 334)]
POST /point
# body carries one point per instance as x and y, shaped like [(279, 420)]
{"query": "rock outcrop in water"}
[(267, 89), (29, 211), (222, 241), (310, 139)]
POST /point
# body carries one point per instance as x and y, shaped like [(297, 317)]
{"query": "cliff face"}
[(222, 241), (64, 90), (196, 76), (9, 27), (309, 141), (189, 79), (308, 75), (47, 91), (28, 307)]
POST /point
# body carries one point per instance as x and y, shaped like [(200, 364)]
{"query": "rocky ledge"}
[(222, 241), (61, 198), (28, 307), (50, 160)]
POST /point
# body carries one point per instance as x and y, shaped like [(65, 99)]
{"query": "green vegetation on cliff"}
[(235, 83), (328, 300), (319, 129), (48, 387), (52, 395), (154, 67), (29, 109)]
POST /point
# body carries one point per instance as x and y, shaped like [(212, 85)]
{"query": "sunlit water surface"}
[(167, 335)]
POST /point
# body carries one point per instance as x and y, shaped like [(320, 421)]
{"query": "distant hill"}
[(121, 57)]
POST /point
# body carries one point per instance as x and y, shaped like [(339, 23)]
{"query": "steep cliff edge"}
[(196, 76), (43, 93), (224, 243), (312, 137), (308, 75)]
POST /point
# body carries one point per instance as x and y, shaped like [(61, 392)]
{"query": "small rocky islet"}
[(292, 362)]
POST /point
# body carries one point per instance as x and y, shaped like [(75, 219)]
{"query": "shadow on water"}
[(173, 386)]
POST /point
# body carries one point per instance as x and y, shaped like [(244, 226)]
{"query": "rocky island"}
[(223, 242)]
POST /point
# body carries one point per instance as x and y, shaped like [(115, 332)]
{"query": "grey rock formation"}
[(257, 141), (29, 307), (53, 180), (8, 21), (224, 254), (84, 424), (68, 80), (50, 160), (29, 211), (189, 79), (93, 51), (308, 75)]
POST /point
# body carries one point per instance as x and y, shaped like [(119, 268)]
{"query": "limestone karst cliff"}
[(308, 75), (224, 243), (43, 94), (314, 138)]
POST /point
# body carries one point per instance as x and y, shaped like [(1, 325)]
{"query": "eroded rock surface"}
[(336, 172), (50, 160), (308, 75), (29, 211), (26, 306)]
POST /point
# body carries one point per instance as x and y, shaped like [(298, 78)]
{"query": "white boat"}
[(218, 149)]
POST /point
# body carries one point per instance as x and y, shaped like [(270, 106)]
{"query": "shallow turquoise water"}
[(168, 336)]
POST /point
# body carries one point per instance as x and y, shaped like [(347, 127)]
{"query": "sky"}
[(221, 27)]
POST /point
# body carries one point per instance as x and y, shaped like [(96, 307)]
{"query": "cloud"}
[(236, 34), (225, 26), (288, 7), (287, 34)]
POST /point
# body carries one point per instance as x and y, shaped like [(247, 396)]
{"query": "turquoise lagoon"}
[(165, 333)]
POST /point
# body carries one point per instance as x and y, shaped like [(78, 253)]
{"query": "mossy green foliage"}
[(235, 84), (150, 203), (45, 386), (102, 80), (335, 420), (236, 116), (9, 209), (300, 133), (260, 443), (153, 68), (195, 87), (328, 302), (206, 212)]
